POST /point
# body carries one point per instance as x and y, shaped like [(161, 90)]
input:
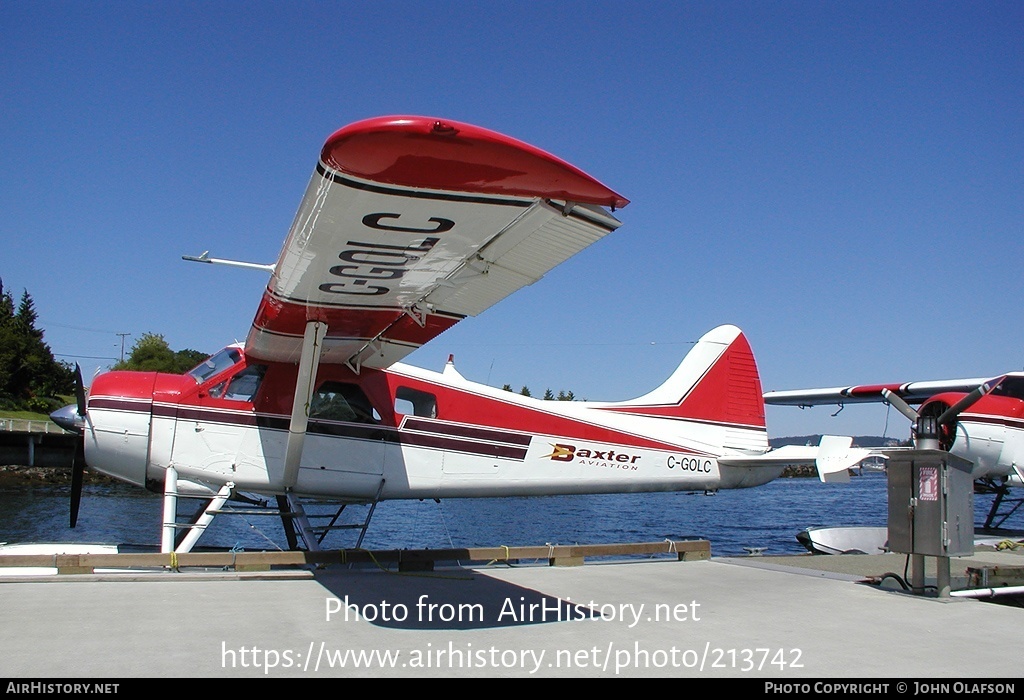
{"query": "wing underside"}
[(389, 262)]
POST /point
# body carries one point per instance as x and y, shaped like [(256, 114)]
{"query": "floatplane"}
[(979, 419), (410, 224)]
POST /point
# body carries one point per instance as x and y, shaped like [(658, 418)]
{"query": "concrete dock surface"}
[(765, 617)]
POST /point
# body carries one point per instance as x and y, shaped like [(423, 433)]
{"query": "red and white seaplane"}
[(979, 419), (409, 225)]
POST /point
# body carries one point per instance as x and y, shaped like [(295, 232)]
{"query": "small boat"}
[(845, 540), (875, 540)]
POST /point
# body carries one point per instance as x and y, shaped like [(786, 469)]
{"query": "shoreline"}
[(14, 475)]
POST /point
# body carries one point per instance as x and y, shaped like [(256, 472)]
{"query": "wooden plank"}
[(995, 576), (408, 559)]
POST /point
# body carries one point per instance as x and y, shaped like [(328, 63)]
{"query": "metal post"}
[(308, 363), (170, 511), (917, 573), (942, 576), (199, 527), (123, 336)]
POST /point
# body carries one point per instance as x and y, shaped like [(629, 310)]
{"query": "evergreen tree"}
[(26, 316), (8, 348), (30, 377), (6, 305)]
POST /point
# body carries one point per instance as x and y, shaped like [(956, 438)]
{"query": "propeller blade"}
[(77, 477), (79, 390), (78, 462), (900, 405), (966, 402)]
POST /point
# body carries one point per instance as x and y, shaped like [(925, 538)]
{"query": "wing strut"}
[(309, 361)]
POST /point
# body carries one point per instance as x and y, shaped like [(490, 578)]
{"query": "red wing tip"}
[(434, 153)]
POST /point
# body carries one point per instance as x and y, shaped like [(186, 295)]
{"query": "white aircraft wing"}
[(911, 392), (832, 457), (410, 224)]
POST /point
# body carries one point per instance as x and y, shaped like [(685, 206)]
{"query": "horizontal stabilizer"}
[(836, 457), (832, 457)]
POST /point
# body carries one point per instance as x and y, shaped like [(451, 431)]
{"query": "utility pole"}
[(123, 335)]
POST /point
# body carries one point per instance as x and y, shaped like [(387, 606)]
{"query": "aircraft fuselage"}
[(425, 434)]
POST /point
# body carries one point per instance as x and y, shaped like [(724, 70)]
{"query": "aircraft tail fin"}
[(716, 382)]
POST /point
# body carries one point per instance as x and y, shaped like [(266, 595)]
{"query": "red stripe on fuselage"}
[(469, 408)]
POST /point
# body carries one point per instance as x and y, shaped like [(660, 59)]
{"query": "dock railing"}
[(25, 425)]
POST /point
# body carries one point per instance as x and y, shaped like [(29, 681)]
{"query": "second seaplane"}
[(408, 225), (979, 419)]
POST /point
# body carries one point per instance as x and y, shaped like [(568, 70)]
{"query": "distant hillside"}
[(858, 441)]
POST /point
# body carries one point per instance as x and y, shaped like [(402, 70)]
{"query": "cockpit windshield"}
[(1010, 386), (215, 364)]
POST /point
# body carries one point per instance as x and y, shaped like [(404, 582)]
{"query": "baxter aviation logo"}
[(599, 458)]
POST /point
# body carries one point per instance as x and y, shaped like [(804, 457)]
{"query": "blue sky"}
[(842, 180)]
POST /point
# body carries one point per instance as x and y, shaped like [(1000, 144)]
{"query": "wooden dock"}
[(405, 559)]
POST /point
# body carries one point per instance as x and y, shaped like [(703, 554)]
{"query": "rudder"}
[(716, 382)]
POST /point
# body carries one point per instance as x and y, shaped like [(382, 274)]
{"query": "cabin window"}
[(215, 364), (342, 402), (415, 402), (241, 387)]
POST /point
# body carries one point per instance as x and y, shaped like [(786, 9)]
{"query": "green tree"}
[(30, 377), (151, 353), (187, 359)]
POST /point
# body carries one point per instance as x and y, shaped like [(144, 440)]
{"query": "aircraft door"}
[(214, 428), (344, 447)]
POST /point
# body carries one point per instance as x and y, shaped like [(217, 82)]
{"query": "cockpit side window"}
[(215, 364), (342, 402), (415, 402), (244, 385), (241, 387)]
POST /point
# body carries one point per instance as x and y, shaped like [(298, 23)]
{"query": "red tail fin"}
[(716, 382)]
